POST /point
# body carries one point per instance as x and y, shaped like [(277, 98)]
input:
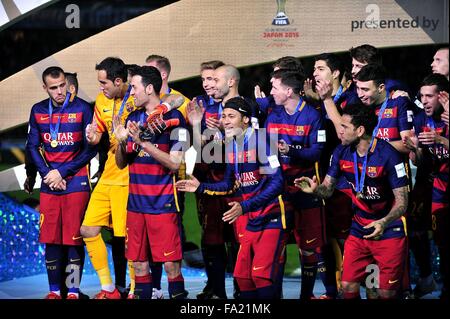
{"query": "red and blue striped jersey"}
[(72, 153), (439, 157), (304, 133), (152, 185), (385, 171), (211, 171), (257, 178), (213, 109), (394, 119)]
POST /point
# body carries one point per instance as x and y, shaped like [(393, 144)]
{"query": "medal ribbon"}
[(55, 129), (359, 183), (338, 94)]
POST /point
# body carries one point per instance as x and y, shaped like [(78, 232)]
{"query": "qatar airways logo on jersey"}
[(65, 138), (370, 192), (387, 133), (248, 179)]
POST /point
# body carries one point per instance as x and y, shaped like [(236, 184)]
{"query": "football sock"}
[(143, 288), (98, 254), (53, 254), (176, 287), (74, 269), (247, 288), (325, 268), (264, 288), (217, 261), (309, 270)]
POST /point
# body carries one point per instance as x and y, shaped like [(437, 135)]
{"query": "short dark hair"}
[(114, 68), (161, 61), (211, 65), (372, 72), (71, 79), (53, 72), (362, 115), (131, 66), (149, 75), (366, 53), (289, 63), (290, 78), (239, 104), (436, 79), (332, 61)]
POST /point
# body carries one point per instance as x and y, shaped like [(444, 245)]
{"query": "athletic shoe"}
[(52, 295), (157, 294), (206, 293), (103, 294)]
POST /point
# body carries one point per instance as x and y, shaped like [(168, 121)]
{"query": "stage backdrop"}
[(238, 32)]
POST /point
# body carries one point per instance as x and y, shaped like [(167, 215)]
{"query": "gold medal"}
[(359, 195), (54, 143)]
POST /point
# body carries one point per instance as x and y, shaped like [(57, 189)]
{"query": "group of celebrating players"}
[(322, 162)]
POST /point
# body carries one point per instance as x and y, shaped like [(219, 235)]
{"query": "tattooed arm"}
[(397, 210), (311, 186), (326, 189), (173, 101)]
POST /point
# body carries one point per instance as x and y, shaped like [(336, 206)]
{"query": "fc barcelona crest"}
[(372, 171), (388, 113), (300, 130), (72, 117)]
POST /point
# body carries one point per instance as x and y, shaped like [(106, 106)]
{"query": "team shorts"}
[(388, 257), (153, 237), (260, 254), (309, 230), (60, 218)]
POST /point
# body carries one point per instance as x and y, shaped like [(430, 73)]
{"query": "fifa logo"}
[(281, 18)]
